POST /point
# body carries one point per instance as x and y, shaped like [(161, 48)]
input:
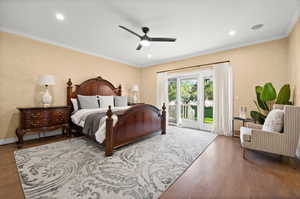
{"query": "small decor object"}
[(47, 80), (243, 112), (266, 97), (135, 90)]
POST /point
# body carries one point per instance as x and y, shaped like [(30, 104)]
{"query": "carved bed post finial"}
[(69, 92), (120, 90), (163, 119), (109, 133)]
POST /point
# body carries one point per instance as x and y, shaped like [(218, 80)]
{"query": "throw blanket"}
[(94, 126)]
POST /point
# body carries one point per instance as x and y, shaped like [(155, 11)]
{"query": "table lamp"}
[(47, 80), (135, 90)]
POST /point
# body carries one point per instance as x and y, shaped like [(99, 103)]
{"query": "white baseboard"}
[(31, 137)]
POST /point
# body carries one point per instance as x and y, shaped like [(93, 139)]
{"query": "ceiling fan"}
[(145, 39)]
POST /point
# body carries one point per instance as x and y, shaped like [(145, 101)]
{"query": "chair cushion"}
[(245, 134), (274, 121)]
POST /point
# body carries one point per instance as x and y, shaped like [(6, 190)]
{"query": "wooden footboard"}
[(133, 124)]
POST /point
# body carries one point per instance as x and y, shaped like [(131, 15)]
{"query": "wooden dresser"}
[(41, 119)]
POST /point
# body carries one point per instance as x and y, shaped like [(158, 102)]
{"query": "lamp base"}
[(134, 98), (47, 98)]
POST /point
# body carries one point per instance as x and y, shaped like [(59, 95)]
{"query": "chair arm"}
[(261, 133), (252, 125), (267, 141)]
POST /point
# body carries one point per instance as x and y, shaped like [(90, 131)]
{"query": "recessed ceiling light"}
[(149, 56), (232, 32), (59, 16), (257, 26)]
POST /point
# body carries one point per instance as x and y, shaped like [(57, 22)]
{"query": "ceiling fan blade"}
[(162, 39), (139, 47), (132, 32)]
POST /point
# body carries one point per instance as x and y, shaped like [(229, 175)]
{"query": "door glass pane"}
[(172, 92), (208, 100), (188, 93)]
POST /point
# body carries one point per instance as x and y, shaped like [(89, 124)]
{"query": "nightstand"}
[(244, 120), (41, 119)]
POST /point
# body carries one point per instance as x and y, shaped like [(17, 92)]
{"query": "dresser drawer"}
[(59, 116), (32, 124), (34, 119), (34, 115)]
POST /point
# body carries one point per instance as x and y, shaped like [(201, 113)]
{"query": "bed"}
[(122, 126)]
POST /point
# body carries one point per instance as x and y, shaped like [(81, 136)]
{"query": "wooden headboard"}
[(94, 86)]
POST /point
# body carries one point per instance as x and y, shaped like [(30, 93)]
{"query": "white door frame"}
[(200, 75)]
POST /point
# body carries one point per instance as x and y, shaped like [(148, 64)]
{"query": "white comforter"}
[(79, 119)]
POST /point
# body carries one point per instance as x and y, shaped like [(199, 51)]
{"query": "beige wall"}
[(22, 60), (294, 61), (252, 65)]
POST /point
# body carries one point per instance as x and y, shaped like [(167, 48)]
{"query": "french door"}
[(191, 100)]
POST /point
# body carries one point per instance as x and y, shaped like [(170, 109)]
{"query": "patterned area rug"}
[(77, 168)]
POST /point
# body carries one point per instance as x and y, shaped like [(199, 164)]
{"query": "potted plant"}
[(266, 96)]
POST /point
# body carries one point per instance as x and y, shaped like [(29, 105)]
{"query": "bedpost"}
[(163, 120), (109, 133), (69, 92)]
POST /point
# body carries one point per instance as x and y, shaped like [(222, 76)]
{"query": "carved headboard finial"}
[(99, 78), (69, 83)]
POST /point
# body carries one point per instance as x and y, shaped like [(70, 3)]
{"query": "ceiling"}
[(200, 26)]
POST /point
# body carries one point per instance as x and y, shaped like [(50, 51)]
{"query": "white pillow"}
[(106, 101), (274, 121), (121, 101), (75, 104), (88, 102)]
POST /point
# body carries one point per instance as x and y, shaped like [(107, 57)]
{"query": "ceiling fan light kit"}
[(145, 42), (145, 39)]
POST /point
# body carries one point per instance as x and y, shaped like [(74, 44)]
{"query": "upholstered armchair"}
[(281, 143)]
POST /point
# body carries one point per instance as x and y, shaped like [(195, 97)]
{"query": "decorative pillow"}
[(274, 121), (75, 104), (121, 101), (88, 102), (106, 101)]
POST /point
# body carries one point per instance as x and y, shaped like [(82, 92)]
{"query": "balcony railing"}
[(190, 112)]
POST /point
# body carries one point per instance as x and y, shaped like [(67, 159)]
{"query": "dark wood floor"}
[(220, 172)]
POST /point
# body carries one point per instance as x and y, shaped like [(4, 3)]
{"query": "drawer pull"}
[(35, 115)]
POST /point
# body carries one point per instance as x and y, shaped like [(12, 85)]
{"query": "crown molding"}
[(206, 52), (7, 30)]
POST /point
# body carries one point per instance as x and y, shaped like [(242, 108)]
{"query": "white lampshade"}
[(47, 80), (135, 88)]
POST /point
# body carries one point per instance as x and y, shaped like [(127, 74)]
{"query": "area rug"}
[(77, 168)]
